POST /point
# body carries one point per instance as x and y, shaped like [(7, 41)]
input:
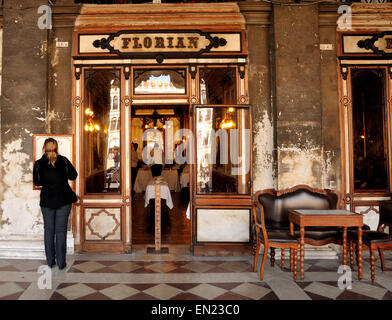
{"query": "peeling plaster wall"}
[(23, 113), (330, 107), (263, 150), (60, 81), (20, 203), (259, 82), (300, 157)]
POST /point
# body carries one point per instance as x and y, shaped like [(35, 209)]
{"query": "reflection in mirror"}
[(369, 130), (223, 150), (102, 131), (160, 82)]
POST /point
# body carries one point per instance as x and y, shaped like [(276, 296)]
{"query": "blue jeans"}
[(55, 223)]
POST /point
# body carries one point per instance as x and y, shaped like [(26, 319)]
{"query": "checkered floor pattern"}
[(213, 279)]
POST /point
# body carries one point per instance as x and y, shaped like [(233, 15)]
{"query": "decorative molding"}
[(193, 70), (77, 102), (127, 72), (126, 101), (193, 100), (78, 72), (159, 58), (241, 70), (369, 44), (96, 214), (243, 99), (344, 71)]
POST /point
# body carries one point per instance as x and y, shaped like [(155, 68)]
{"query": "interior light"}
[(97, 127), (87, 111), (231, 109), (86, 127), (91, 128), (362, 136)]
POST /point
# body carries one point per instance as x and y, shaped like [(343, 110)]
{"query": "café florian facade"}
[(310, 95)]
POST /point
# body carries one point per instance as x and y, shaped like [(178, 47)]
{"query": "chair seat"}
[(372, 236), (277, 226), (365, 227), (319, 234), (279, 237)]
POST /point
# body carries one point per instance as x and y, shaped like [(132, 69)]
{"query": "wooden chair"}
[(373, 240), (272, 240)]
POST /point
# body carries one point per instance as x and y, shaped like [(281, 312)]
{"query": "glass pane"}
[(102, 131), (370, 154), (159, 82), (223, 150), (217, 86)]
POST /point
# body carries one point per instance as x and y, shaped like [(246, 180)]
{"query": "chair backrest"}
[(385, 210), (277, 204)]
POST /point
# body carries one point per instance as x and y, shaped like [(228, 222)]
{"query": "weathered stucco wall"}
[(298, 96), (23, 112), (330, 103), (60, 80), (258, 18)]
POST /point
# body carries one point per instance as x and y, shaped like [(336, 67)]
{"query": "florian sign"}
[(379, 43), (164, 43)]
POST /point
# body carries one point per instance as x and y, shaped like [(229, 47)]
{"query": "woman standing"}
[(52, 172)]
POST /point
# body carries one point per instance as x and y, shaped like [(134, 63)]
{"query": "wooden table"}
[(327, 218)]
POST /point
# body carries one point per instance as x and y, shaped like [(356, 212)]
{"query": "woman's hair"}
[(50, 144)]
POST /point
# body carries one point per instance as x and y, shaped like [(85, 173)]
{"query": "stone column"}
[(298, 96), (23, 113), (259, 35)]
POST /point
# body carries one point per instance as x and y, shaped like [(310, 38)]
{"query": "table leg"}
[(344, 246), (302, 252), (359, 248)]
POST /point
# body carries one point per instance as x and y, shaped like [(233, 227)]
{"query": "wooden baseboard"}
[(222, 250), (103, 248)]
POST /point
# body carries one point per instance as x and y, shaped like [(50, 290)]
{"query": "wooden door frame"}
[(351, 199)]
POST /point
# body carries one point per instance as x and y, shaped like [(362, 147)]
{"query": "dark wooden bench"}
[(276, 205)]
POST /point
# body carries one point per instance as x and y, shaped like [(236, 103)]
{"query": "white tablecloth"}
[(188, 211), (142, 179), (144, 176), (172, 179), (165, 194), (184, 180)]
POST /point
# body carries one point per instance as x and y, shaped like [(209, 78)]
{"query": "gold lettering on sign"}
[(147, 42), (125, 43), (170, 39), (136, 43), (159, 42), (192, 42), (389, 43), (180, 42)]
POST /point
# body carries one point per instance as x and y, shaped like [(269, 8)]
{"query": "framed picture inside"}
[(64, 141)]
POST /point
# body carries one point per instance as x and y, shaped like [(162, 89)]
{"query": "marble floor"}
[(181, 276)]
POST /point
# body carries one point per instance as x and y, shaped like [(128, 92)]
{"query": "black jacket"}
[(55, 191)]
